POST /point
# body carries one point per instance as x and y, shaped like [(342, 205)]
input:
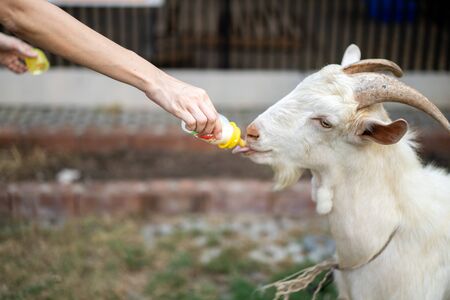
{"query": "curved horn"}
[(372, 88), (374, 65)]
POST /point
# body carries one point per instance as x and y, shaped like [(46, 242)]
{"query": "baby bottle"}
[(39, 64), (231, 135)]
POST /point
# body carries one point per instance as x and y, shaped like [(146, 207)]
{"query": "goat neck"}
[(365, 208)]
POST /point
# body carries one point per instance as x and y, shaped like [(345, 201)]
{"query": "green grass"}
[(108, 259)]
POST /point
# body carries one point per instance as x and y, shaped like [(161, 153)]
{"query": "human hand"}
[(187, 102), (12, 53)]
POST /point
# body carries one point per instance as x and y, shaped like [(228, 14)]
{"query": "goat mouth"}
[(248, 151)]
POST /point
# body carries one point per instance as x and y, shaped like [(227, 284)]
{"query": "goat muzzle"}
[(252, 132)]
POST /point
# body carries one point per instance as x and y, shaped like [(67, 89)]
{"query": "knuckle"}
[(191, 124), (211, 122), (203, 95), (176, 109), (202, 121), (191, 101)]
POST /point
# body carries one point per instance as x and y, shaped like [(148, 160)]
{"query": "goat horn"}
[(374, 65), (372, 88)]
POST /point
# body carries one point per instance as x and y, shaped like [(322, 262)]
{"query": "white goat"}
[(367, 177)]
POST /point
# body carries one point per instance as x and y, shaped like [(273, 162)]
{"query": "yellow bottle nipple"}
[(235, 139), (39, 64)]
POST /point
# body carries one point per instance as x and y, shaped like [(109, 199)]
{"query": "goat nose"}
[(252, 132)]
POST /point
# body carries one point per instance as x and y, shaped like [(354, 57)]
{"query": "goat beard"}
[(286, 175)]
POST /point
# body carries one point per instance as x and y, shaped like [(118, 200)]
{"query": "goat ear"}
[(351, 55), (383, 133)]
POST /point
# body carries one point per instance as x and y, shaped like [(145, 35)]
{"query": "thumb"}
[(25, 51)]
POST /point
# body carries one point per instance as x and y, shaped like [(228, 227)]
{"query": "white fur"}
[(364, 188)]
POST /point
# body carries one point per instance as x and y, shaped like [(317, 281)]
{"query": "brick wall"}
[(55, 202)]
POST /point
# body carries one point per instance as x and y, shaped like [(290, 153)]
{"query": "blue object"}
[(388, 11)]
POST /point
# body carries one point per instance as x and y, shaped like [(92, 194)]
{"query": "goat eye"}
[(325, 124)]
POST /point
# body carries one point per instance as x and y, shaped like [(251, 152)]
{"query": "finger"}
[(189, 120), (22, 49), (13, 64), (211, 116), (6, 42), (14, 68), (210, 109), (218, 129), (200, 119), (20, 65), (25, 51), (8, 62)]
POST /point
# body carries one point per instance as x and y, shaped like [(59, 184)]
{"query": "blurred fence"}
[(276, 34)]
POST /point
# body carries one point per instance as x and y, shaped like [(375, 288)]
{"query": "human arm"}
[(47, 26)]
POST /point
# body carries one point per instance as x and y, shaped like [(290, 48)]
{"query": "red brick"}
[(53, 200)]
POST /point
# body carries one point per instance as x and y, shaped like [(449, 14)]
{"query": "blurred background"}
[(103, 197)]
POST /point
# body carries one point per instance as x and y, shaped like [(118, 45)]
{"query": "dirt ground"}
[(183, 258)]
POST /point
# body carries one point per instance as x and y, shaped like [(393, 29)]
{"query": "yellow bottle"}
[(231, 135), (39, 64)]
